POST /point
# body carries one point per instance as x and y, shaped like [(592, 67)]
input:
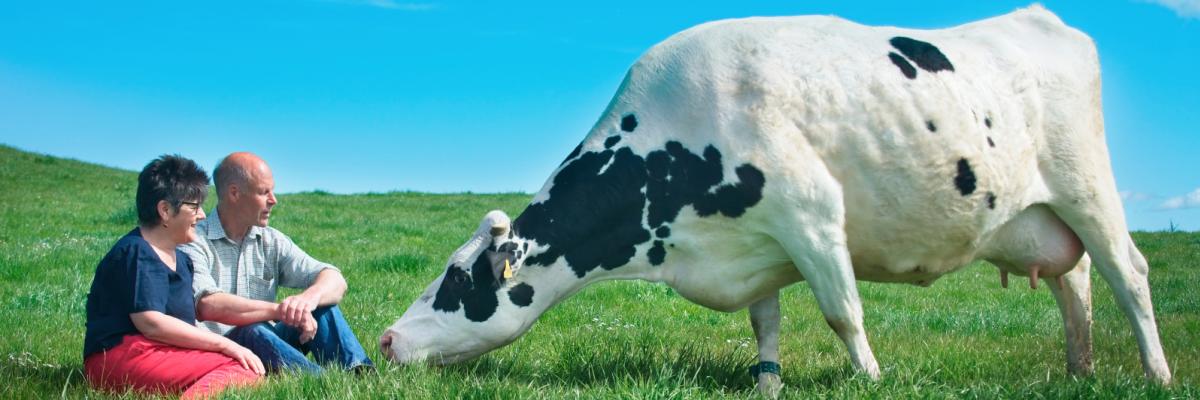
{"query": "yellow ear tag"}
[(507, 269)]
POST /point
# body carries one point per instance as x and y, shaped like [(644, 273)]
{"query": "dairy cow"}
[(741, 156)]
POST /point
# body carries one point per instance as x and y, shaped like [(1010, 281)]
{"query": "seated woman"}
[(141, 318)]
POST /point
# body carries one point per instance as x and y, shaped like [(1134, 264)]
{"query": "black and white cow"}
[(741, 156)]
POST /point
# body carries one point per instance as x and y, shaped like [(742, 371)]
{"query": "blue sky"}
[(352, 96)]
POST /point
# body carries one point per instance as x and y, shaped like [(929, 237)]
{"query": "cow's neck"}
[(558, 280)]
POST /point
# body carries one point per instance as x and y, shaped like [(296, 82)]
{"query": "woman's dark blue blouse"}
[(130, 279)]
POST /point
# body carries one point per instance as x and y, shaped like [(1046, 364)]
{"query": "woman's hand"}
[(243, 356)]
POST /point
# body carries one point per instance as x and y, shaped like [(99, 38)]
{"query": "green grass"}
[(965, 337)]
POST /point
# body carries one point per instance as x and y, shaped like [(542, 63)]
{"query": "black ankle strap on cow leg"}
[(765, 366)]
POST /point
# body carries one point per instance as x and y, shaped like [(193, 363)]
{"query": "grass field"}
[(964, 337)]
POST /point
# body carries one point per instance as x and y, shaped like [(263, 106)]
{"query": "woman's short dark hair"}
[(171, 178)]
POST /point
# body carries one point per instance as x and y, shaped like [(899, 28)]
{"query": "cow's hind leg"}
[(1075, 302), (1084, 194), (1101, 227), (764, 317)]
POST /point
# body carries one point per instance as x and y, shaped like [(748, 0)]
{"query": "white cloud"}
[(1190, 200), (1129, 196), (1182, 8), (389, 4)]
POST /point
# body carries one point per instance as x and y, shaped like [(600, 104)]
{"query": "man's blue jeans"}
[(279, 348)]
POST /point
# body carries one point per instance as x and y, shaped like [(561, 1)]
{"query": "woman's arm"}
[(163, 328)]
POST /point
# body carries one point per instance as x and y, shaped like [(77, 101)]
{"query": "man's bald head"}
[(238, 169)]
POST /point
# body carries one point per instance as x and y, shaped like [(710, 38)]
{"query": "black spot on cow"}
[(930, 126), (965, 179), (593, 216), (521, 295), (925, 55), (662, 232), (990, 142), (629, 123), (991, 200), (657, 254), (678, 177), (987, 121), (474, 292), (611, 141), (733, 200), (905, 68), (592, 219), (449, 294)]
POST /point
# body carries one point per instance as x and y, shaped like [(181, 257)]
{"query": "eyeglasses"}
[(195, 206)]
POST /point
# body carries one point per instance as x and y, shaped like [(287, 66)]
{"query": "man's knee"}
[(257, 328), (257, 331), (330, 317)]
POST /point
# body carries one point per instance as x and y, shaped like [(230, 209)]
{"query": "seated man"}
[(240, 262)]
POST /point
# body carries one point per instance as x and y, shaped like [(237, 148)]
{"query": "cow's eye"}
[(460, 278)]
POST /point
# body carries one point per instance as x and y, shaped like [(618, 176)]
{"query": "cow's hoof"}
[(871, 369), (1081, 366), (1161, 376), (767, 375), (769, 385)]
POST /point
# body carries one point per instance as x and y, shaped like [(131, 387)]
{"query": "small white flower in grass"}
[(740, 342), (28, 360)]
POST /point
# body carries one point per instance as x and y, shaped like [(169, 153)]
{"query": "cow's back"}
[(931, 157)]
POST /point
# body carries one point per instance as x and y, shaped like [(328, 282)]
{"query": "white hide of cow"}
[(872, 171)]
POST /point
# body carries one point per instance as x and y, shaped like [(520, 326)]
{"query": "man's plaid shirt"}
[(254, 268)]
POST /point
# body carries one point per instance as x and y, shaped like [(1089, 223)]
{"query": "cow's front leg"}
[(764, 317), (811, 230), (837, 296), (826, 266), (1075, 301)]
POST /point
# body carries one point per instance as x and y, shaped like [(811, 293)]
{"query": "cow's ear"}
[(501, 262), (504, 261), (506, 267), (507, 272)]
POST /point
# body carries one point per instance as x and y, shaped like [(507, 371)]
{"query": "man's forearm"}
[(328, 287), (235, 310)]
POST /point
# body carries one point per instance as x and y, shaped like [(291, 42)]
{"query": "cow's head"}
[(606, 207), (475, 306)]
